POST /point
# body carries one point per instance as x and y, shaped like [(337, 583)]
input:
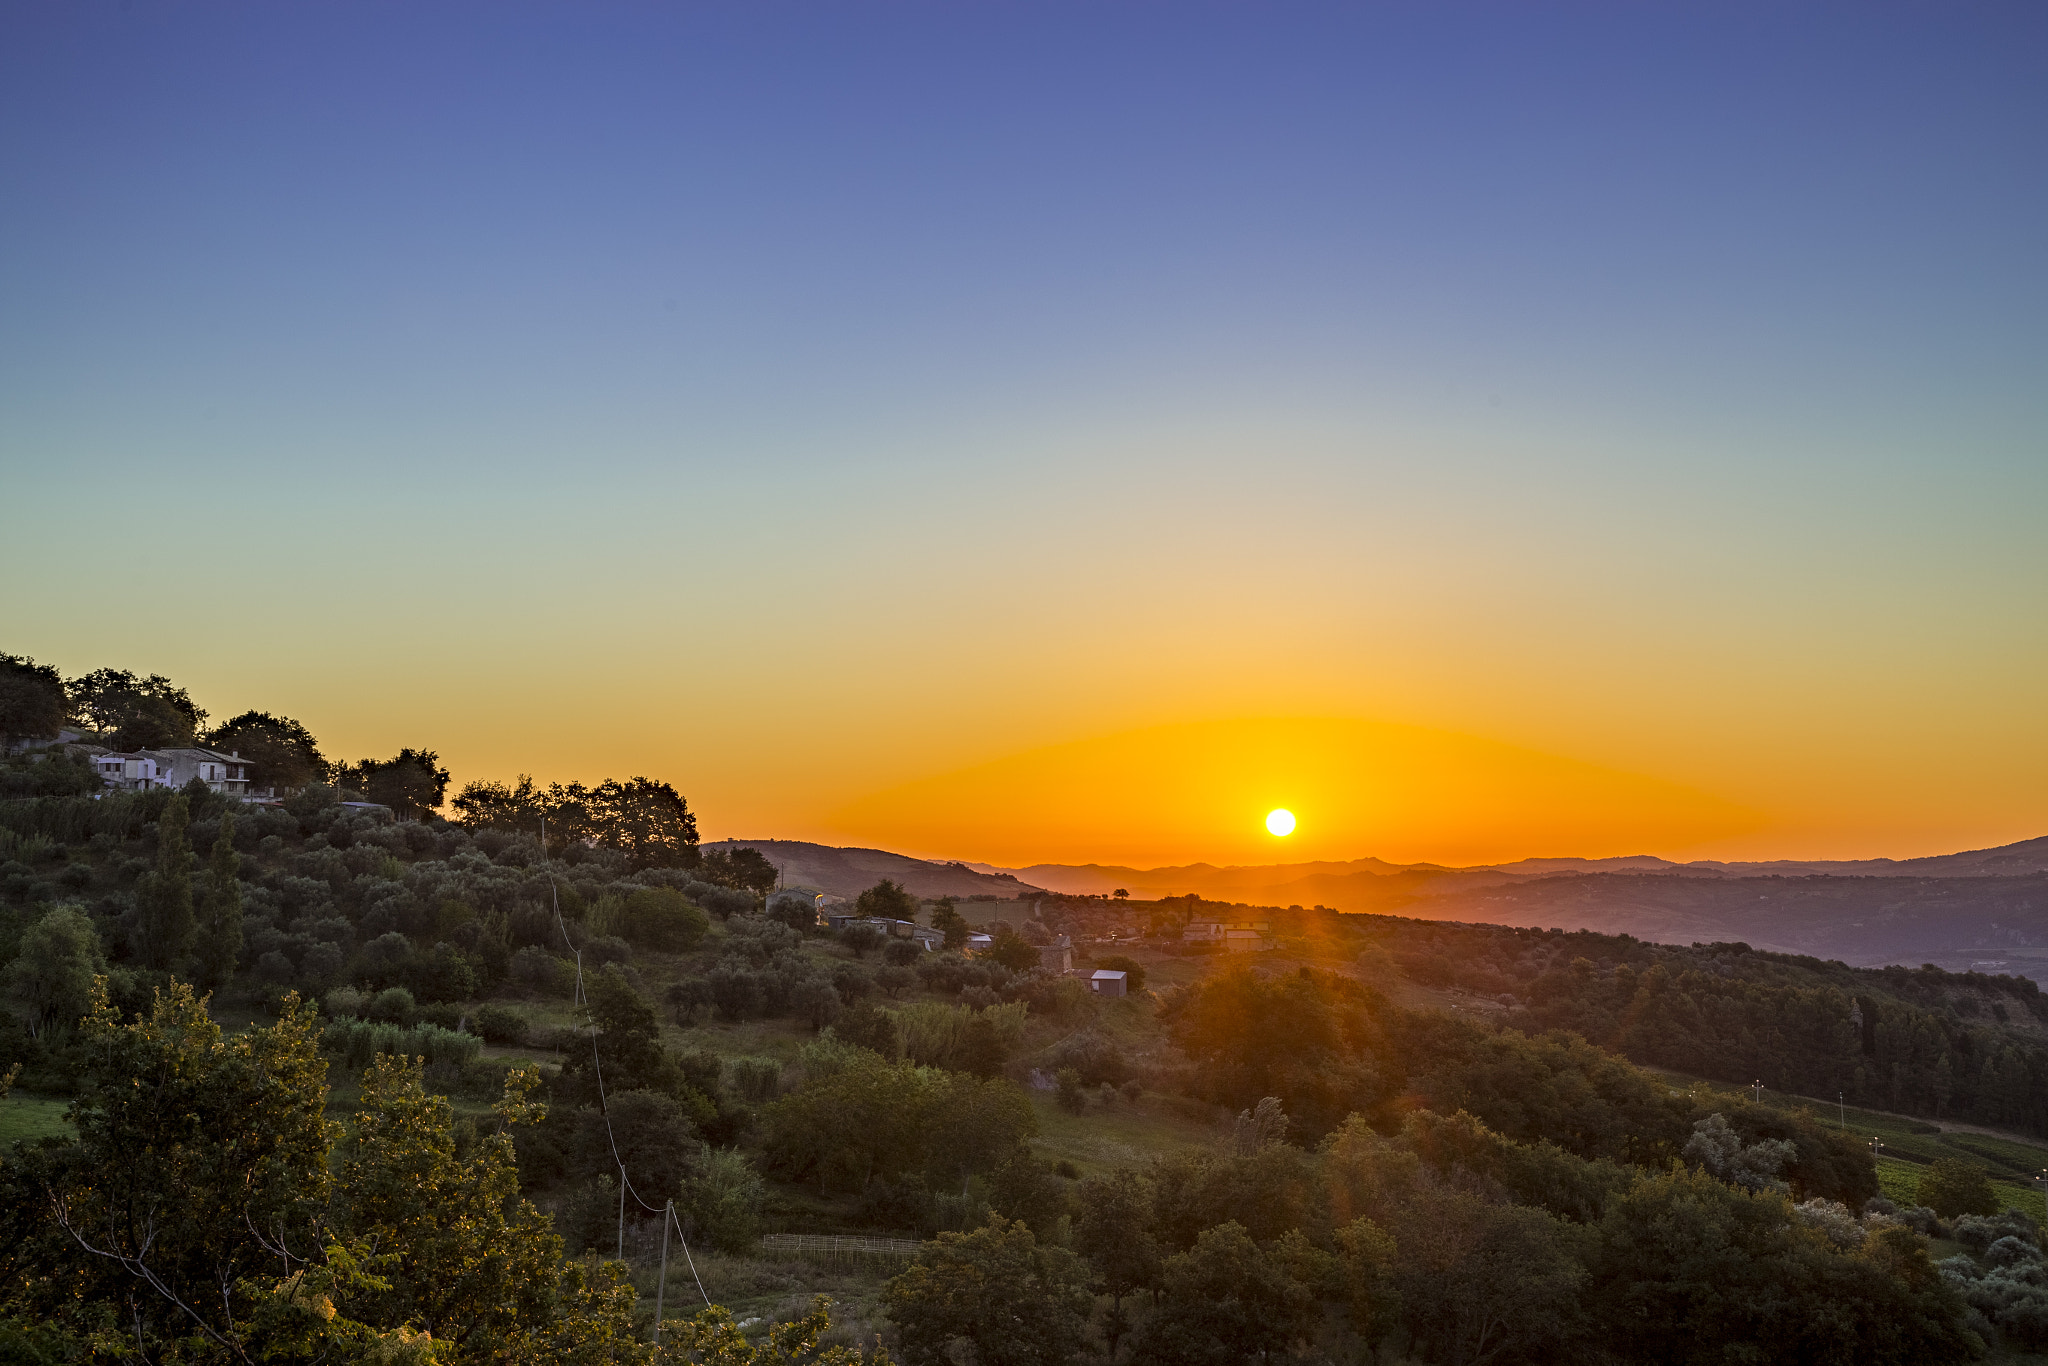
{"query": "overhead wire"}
[(580, 997)]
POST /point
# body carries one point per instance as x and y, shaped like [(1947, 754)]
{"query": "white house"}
[(128, 772), (224, 773)]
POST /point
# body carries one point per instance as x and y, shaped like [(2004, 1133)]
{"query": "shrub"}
[(394, 1005), (535, 967), (755, 1079), (665, 920), (500, 1024), (861, 939), (1067, 1085), (605, 949), (871, 1027), (343, 1001), (1951, 1187), (902, 953)]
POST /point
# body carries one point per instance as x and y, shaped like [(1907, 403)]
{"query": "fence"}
[(835, 1246)]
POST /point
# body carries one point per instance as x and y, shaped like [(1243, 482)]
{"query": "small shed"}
[(1106, 982)]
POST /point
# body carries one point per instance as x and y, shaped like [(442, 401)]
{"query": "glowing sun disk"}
[(1280, 821)]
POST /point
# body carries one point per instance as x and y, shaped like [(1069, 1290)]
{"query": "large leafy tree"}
[(647, 821), (32, 702), (412, 782), (995, 1292), (886, 901), (282, 753), (163, 896), (135, 713), (1227, 1300), (198, 1167), (747, 869)]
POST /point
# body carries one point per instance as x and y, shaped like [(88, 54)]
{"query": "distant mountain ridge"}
[(1358, 884)]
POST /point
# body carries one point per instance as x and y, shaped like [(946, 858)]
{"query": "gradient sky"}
[(1047, 431)]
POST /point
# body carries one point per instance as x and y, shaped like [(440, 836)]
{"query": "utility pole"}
[(1843, 1108), (668, 1213)]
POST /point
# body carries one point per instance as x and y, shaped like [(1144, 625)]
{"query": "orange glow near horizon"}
[(1196, 792)]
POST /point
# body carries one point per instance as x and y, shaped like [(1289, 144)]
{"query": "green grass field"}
[(24, 1118)]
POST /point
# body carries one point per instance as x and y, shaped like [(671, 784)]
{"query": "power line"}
[(582, 998)]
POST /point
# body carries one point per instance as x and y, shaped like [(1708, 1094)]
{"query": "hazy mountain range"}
[(1985, 908)]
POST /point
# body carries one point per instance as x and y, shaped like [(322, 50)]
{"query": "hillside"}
[(849, 872)]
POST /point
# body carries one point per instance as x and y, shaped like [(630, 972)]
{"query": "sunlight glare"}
[(1280, 821)]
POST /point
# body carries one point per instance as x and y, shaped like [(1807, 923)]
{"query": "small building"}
[(1107, 982), (1057, 956), (1202, 932), (977, 942)]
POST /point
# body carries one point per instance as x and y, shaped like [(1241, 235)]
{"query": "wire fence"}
[(835, 1246)]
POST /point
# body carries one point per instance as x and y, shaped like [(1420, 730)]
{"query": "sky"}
[(1059, 432)]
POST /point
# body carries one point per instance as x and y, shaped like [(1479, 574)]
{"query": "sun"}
[(1280, 821)]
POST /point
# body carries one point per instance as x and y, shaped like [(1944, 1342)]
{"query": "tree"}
[(186, 1144), (1227, 1300), (948, 922), (664, 919), (861, 939), (1952, 1186), (996, 1292), (220, 910), (688, 999), (282, 753), (1121, 893), (163, 897), (886, 901), (32, 701), (647, 821), (1114, 1232), (746, 869), (467, 1259), (411, 782), (1011, 949), (52, 974), (135, 713)]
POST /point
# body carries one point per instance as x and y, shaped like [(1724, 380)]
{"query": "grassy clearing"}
[(1120, 1133), (25, 1118)]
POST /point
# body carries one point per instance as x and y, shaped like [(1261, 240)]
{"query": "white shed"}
[(1106, 982)]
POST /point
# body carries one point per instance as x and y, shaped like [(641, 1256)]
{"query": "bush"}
[(1067, 1085), (393, 1005), (343, 1001), (861, 939), (755, 1079), (871, 1027), (605, 949), (535, 967), (798, 910), (1951, 1187), (663, 919), (902, 953), (500, 1024)]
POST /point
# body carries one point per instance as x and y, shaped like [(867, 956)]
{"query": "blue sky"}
[(863, 391)]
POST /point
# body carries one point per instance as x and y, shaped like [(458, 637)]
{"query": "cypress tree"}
[(163, 898), (220, 919)]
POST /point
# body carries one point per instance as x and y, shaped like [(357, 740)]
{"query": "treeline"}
[(1920, 1041)]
